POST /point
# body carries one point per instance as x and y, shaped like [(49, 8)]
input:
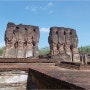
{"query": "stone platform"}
[(14, 76), (73, 65), (49, 75), (61, 78), (25, 60)]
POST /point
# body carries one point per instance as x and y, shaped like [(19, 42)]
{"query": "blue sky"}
[(45, 14)]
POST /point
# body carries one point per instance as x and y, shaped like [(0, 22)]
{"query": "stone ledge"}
[(73, 65)]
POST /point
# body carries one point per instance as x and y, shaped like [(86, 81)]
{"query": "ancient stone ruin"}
[(21, 41), (63, 44)]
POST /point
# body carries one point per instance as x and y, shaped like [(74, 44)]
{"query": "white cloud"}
[(44, 29), (41, 8), (50, 4), (32, 8)]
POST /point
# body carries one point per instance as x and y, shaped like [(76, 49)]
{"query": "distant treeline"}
[(85, 49), (1, 50), (46, 50)]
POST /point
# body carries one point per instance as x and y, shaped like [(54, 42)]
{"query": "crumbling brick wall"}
[(63, 44), (21, 41)]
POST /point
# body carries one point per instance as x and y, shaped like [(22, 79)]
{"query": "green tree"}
[(44, 50), (1, 51), (85, 49)]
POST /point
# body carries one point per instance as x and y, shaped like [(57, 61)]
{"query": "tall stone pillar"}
[(53, 40), (10, 50), (61, 40), (21, 41), (74, 46)]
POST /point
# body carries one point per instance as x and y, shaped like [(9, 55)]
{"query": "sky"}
[(45, 14)]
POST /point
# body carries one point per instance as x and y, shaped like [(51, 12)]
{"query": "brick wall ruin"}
[(21, 41), (63, 44)]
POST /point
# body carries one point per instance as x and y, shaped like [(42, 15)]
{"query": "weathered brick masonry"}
[(21, 41), (63, 44)]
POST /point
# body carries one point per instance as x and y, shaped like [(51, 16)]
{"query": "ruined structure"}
[(63, 44), (21, 41), (22, 73)]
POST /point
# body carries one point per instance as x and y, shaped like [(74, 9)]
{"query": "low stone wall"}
[(13, 80), (15, 76), (43, 81)]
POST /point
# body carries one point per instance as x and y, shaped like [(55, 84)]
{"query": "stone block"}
[(76, 57), (61, 35), (10, 53), (67, 36), (53, 35)]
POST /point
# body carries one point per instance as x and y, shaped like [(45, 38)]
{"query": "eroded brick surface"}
[(79, 78), (21, 41), (63, 44)]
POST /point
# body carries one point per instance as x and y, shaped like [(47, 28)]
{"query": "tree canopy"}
[(85, 49), (44, 50), (1, 50)]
